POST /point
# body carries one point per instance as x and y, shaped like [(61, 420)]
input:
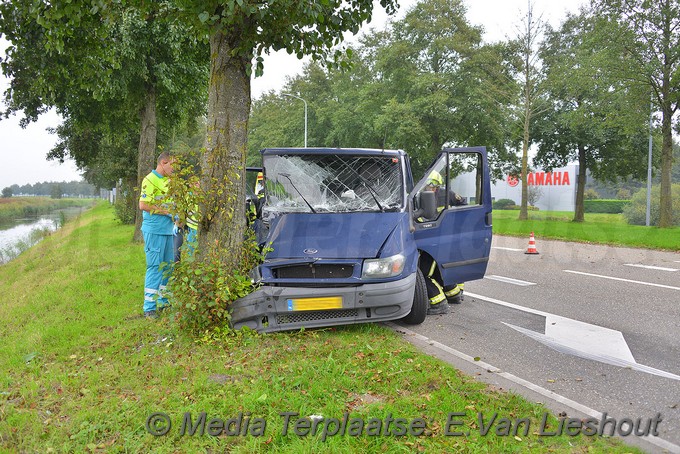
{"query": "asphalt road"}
[(598, 326)]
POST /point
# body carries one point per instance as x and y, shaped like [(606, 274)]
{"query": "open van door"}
[(458, 233)]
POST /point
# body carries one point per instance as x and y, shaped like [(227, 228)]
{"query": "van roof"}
[(337, 151)]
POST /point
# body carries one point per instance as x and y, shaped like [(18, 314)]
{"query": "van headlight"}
[(386, 267)]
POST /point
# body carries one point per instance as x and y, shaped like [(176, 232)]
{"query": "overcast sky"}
[(23, 151)]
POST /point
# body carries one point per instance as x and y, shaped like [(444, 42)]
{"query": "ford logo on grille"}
[(310, 251)]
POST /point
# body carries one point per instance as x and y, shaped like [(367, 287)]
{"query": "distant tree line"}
[(54, 189)]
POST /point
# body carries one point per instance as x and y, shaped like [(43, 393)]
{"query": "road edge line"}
[(410, 335)]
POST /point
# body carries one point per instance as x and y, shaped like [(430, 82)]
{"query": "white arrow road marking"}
[(509, 280), (581, 339), (563, 347), (650, 267), (623, 280), (507, 248)]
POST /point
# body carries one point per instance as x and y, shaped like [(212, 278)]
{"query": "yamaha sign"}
[(556, 189)]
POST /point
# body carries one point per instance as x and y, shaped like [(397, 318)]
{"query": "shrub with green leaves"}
[(504, 204), (126, 204), (591, 194), (201, 292), (635, 213)]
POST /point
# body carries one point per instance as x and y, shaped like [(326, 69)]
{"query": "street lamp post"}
[(297, 97)]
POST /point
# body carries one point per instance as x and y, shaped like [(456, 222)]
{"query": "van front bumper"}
[(270, 309)]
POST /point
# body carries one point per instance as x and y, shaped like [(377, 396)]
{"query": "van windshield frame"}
[(333, 183)]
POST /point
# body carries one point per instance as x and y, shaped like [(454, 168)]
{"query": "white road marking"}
[(507, 248), (650, 267), (660, 442), (509, 280), (581, 339), (623, 280)]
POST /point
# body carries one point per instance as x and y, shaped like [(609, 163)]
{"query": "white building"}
[(557, 188)]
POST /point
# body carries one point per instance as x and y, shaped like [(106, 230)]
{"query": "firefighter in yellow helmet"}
[(253, 203), (440, 296)]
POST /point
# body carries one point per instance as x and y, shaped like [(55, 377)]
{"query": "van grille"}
[(314, 271), (299, 317)]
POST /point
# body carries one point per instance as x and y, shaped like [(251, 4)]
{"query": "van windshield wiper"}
[(298, 191), (369, 186)]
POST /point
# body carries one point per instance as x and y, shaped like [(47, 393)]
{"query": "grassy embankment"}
[(81, 371), (16, 207), (599, 228)]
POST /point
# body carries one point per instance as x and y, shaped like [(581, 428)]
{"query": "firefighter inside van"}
[(440, 296)]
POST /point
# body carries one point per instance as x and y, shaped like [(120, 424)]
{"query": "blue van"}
[(348, 228)]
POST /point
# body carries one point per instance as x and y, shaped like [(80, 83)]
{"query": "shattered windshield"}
[(332, 183)]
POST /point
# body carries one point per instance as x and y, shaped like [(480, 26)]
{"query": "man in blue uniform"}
[(157, 226)]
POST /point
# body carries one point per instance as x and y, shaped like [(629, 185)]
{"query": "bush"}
[(201, 293), (604, 206), (504, 204), (623, 194), (635, 212), (591, 194), (126, 205)]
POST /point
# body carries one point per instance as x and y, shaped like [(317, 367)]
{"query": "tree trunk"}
[(223, 162), (146, 159), (580, 185), (523, 211)]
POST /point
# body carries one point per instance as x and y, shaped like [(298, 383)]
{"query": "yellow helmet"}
[(435, 178)]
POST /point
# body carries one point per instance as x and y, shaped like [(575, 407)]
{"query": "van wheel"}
[(420, 302)]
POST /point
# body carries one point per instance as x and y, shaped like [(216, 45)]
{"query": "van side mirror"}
[(427, 201)]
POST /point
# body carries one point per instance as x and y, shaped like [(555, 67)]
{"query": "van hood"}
[(330, 235)]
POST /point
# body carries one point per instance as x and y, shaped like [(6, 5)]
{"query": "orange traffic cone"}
[(532, 245)]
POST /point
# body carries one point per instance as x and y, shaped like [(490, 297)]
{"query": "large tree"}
[(240, 31), (423, 82), (111, 72), (529, 75), (646, 34), (434, 67), (592, 118)]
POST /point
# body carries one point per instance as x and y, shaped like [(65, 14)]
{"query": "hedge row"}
[(507, 204), (605, 205)]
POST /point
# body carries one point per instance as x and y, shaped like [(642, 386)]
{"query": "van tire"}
[(420, 302)]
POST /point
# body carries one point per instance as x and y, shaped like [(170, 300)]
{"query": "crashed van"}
[(347, 230)]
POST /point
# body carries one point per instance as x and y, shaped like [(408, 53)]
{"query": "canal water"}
[(17, 235)]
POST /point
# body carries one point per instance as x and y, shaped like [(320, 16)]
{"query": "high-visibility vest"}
[(154, 192), (154, 189)]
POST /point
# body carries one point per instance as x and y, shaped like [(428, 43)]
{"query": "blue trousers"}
[(159, 257), (179, 241), (191, 240)]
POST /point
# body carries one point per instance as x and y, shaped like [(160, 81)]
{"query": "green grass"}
[(599, 228), (15, 207), (81, 371)]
